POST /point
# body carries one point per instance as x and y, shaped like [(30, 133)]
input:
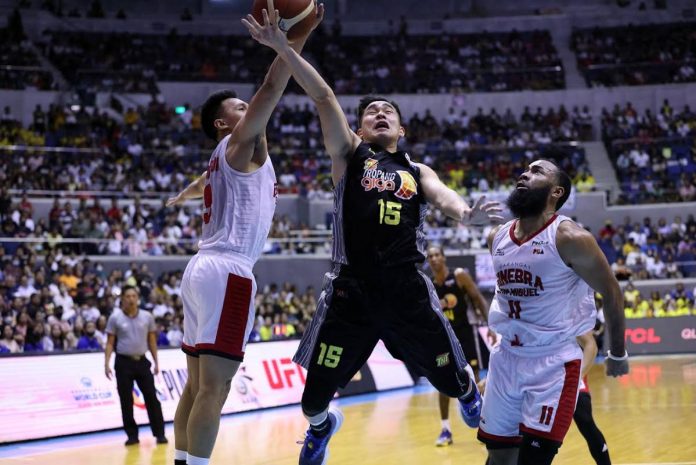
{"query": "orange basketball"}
[(296, 16)]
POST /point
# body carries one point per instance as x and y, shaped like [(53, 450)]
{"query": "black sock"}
[(179, 462), (321, 429)]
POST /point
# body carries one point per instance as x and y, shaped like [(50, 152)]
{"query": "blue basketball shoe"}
[(444, 439), (315, 450), (471, 411)]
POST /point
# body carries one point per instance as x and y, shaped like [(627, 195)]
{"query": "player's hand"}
[(268, 33), (108, 372), (319, 16), (483, 213), (482, 386), (491, 336), (616, 368), (176, 200), (156, 370)]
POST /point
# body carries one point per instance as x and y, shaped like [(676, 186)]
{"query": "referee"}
[(130, 332)]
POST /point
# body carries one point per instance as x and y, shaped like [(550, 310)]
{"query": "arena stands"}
[(654, 154), (20, 67), (483, 62), (647, 250), (61, 303), (85, 150), (636, 54)]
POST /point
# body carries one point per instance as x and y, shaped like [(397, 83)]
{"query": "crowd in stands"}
[(431, 63), (677, 302), (648, 250), (153, 149), (637, 54), (654, 154), (62, 302), (20, 67)]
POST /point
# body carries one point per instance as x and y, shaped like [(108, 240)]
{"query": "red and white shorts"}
[(530, 390), (218, 292)]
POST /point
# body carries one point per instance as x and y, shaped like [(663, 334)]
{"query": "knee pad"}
[(537, 451)]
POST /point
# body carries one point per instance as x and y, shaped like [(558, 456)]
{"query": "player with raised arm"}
[(218, 287), (376, 290)]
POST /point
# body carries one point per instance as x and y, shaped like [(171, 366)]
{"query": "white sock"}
[(446, 425), (317, 419), (193, 460), (180, 454)]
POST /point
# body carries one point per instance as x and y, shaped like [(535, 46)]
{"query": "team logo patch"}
[(374, 178), (442, 360), (370, 163), (499, 253), (408, 187)]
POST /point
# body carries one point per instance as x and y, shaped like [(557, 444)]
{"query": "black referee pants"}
[(127, 371)]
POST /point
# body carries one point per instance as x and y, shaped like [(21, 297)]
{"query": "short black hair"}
[(128, 287), (563, 180), (368, 99), (439, 248), (210, 110)]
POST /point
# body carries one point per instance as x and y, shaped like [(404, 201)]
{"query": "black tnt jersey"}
[(456, 301), (382, 206)]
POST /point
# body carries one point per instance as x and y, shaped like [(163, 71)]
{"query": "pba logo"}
[(408, 187)]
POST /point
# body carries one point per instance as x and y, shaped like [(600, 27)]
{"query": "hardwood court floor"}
[(647, 418)]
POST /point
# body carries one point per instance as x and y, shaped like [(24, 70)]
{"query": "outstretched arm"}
[(192, 191), (252, 127), (339, 139), (452, 204), (579, 250)]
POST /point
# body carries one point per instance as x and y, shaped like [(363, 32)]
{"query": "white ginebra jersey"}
[(537, 296), (238, 207)]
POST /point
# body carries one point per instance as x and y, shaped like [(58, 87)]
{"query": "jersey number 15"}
[(389, 212)]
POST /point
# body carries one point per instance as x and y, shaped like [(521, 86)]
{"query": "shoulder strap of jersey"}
[(502, 232)]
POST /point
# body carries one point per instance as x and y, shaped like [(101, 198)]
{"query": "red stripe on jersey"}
[(229, 339), (566, 406), (518, 242)]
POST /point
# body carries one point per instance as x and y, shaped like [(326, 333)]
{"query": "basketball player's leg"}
[(336, 350), (502, 410), (183, 410), (549, 402), (190, 300), (420, 335), (214, 381), (465, 337), (225, 317), (589, 430)]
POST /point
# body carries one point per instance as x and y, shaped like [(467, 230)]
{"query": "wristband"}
[(618, 359)]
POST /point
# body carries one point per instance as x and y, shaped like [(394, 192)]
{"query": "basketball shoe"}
[(315, 450), (444, 439), (471, 411)]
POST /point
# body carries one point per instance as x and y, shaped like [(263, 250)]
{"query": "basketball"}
[(296, 16)]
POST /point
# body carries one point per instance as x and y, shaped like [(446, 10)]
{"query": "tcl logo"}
[(688, 333), (280, 373), (642, 336)]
